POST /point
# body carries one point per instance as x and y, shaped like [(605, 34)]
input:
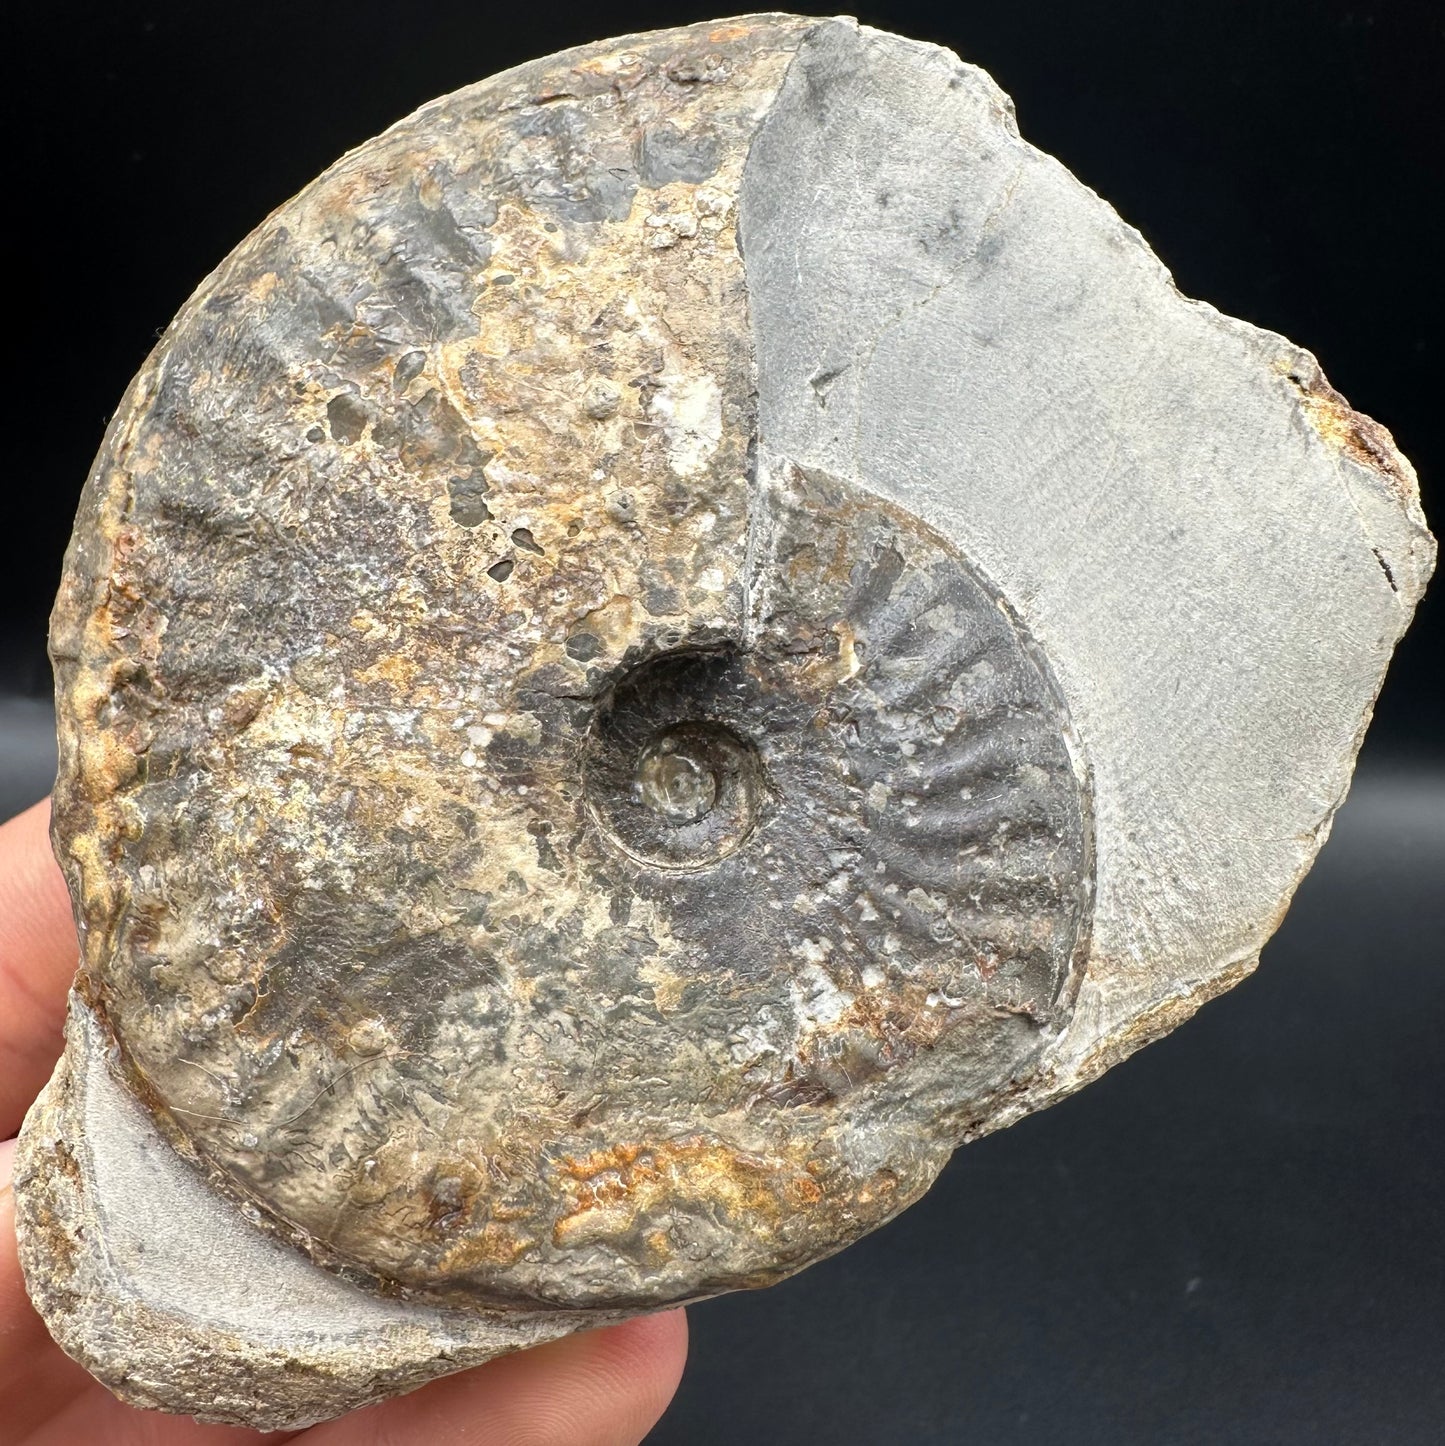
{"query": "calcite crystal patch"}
[(685, 631)]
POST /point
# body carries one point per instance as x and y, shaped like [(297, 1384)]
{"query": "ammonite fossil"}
[(684, 631)]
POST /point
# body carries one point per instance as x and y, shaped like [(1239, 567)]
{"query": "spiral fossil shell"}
[(640, 663), (436, 534)]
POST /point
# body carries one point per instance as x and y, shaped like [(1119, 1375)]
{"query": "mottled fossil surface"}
[(685, 631)]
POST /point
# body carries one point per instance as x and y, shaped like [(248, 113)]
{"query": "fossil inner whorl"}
[(668, 782)]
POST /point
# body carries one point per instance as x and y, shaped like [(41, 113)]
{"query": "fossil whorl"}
[(533, 842), (686, 629)]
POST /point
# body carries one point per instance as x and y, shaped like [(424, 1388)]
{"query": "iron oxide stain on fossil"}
[(607, 724)]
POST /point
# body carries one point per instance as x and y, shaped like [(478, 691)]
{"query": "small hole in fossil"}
[(347, 417), (408, 369), (501, 571), (522, 536), (468, 493)]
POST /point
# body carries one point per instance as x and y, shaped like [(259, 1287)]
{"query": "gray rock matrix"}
[(687, 630)]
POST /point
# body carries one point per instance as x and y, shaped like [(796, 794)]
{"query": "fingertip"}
[(644, 1357), (604, 1387)]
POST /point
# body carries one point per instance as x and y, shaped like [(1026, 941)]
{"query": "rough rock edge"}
[(1368, 461), (157, 1358), (1353, 436)]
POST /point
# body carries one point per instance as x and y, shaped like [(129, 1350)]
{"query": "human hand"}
[(600, 1388)]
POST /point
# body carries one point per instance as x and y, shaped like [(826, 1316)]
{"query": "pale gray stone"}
[(1216, 555)]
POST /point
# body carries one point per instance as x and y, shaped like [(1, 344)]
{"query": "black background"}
[(1239, 1236)]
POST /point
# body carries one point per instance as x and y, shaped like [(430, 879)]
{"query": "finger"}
[(38, 955), (46, 1399), (599, 1388)]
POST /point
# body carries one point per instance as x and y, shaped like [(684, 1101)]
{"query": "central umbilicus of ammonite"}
[(668, 781)]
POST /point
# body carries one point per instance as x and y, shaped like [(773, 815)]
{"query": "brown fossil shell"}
[(531, 848)]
